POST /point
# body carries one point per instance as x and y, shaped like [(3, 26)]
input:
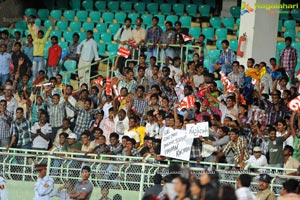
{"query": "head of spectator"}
[(84, 86), (142, 60), (222, 131), (31, 19), (129, 75), (102, 140), (41, 169), (8, 92), (69, 89), (87, 104), (289, 186), (89, 34), (75, 37), (121, 114), (195, 189), (152, 61), (188, 90), (234, 134), (127, 22), (177, 62), (250, 62), (29, 39), (178, 25), (43, 118), (227, 192), (169, 25), (138, 22), (58, 79), (114, 138), (276, 94), (63, 138), (170, 121), (264, 181), (54, 40), (181, 186), (288, 42), (3, 48), (281, 126), (165, 103), (273, 62), (97, 133), (66, 124), (125, 139), (53, 81), (17, 35), (19, 113), (155, 21), (5, 34), (208, 78), (141, 72), (55, 99), (257, 152), (17, 47), (85, 173), (287, 152), (40, 34), (86, 138), (225, 44), (241, 68), (132, 122), (244, 180), (130, 144), (179, 121), (99, 115)]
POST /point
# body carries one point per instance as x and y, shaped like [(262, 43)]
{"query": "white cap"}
[(258, 149), (72, 136)]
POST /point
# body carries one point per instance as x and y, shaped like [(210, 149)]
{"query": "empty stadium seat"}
[(172, 18), (209, 33), (82, 36), (284, 14), (69, 65), (95, 16), (195, 32), (62, 4), (56, 33), (235, 11), (68, 36), (113, 6), (147, 19), (30, 11), (62, 25), (69, 15), (75, 26), (88, 5), (101, 28), (296, 45), (204, 10), (280, 46), (96, 36), (206, 62), (21, 25), (165, 9), (43, 14), (191, 9), (233, 45), (112, 49), (215, 22), (279, 26), (289, 25), (47, 24), (56, 14), (88, 26), (214, 55), (75, 4), (139, 7), (219, 44), (133, 17), (152, 8), (178, 9), (82, 15), (296, 14), (228, 23), (113, 28), (126, 6), (101, 6), (63, 45), (291, 34), (221, 33), (106, 38), (38, 23), (120, 17), (101, 49), (185, 21), (108, 17)]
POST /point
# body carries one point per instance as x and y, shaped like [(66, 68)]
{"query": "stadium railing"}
[(128, 176)]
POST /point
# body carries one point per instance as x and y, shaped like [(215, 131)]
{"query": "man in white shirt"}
[(176, 69), (41, 133), (257, 159), (70, 113), (87, 50), (121, 123), (124, 34), (138, 35), (243, 184)]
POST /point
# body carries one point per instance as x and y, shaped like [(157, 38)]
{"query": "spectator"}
[(153, 35), (227, 193), (8, 42), (236, 77), (196, 189), (44, 187), (72, 50), (243, 184), (6, 118), (88, 146), (156, 188), (5, 59), (115, 147), (84, 188), (121, 122), (65, 128), (11, 102), (100, 145), (288, 58), (139, 36), (227, 57), (167, 38), (104, 194), (263, 185), (54, 54), (22, 64), (17, 37), (41, 133), (28, 48), (289, 190), (72, 145), (257, 159), (289, 162)]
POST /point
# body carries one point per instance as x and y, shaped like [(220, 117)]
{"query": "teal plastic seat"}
[(235, 11), (101, 49), (280, 46), (113, 6), (221, 33), (290, 25), (101, 28), (82, 15), (195, 32), (206, 62), (62, 25), (280, 26), (95, 16), (215, 22), (298, 36), (233, 45), (161, 21), (228, 23), (172, 18), (113, 28), (284, 14), (43, 14), (214, 54), (120, 17), (75, 4), (38, 23), (88, 26), (30, 11), (237, 22), (47, 24), (108, 17), (165, 9), (75, 26), (296, 45), (69, 15), (63, 45), (68, 36), (219, 44), (191, 9), (295, 14), (178, 9), (88, 5), (237, 33), (139, 7), (152, 8), (185, 21), (106, 38), (21, 25), (82, 36), (101, 6), (15, 30), (126, 6), (209, 33), (147, 19), (56, 33), (96, 36), (204, 10), (70, 65), (291, 34), (220, 84), (112, 49), (133, 17), (56, 14)]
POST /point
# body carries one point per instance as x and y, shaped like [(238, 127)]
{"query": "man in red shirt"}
[(54, 54)]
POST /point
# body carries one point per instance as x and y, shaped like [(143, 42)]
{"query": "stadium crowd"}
[(249, 123)]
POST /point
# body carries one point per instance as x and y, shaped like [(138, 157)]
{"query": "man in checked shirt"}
[(288, 58)]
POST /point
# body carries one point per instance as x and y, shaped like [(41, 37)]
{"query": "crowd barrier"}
[(128, 176)]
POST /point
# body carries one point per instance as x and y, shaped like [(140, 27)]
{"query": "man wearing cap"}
[(44, 187), (72, 145), (257, 159), (263, 184)]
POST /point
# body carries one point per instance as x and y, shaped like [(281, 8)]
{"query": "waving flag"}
[(123, 52), (187, 102), (294, 104), (225, 80), (99, 81), (108, 89), (187, 37)]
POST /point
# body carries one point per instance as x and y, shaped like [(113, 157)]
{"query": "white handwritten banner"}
[(175, 144), (196, 130), (294, 104)]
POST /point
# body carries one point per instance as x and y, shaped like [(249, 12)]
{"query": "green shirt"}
[(275, 150), (296, 147), (67, 147)]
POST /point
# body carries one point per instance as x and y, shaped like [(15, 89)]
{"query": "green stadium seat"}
[(237, 33), (26, 32), (133, 17), (215, 22), (219, 44), (280, 46), (195, 32), (161, 21), (165, 9), (101, 28), (21, 25), (30, 11), (284, 14), (70, 65), (206, 62), (88, 26), (63, 45), (82, 15), (237, 22), (82, 36), (15, 30), (69, 15), (291, 34), (296, 14), (211, 3), (62, 4), (204, 10), (178, 9), (75, 26), (113, 6), (296, 45), (126, 6), (290, 25), (101, 49), (298, 36), (56, 14), (62, 25), (139, 7), (101, 6), (163, 28), (209, 33), (235, 11), (172, 18), (120, 17), (214, 55), (56, 33), (221, 33), (152, 8), (95, 16), (106, 38), (75, 4), (47, 24), (279, 26), (88, 5), (233, 45), (113, 28), (147, 19), (228, 23), (112, 49), (68, 36), (108, 17), (96, 36), (43, 14), (191, 9), (185, 21), (220, 84), (38, 23)]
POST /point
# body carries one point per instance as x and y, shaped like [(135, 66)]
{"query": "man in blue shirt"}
[(28, 48), (227, 57), (44, 187), (5, 59)]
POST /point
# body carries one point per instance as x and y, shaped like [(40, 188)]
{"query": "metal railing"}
[(121, 173)]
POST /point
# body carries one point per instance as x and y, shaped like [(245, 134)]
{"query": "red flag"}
[(294, 104), (123, 52), (108, 89), (225, 80), (116, 90), (99, 81), (187, 37), (187, 102), (132, 43)]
